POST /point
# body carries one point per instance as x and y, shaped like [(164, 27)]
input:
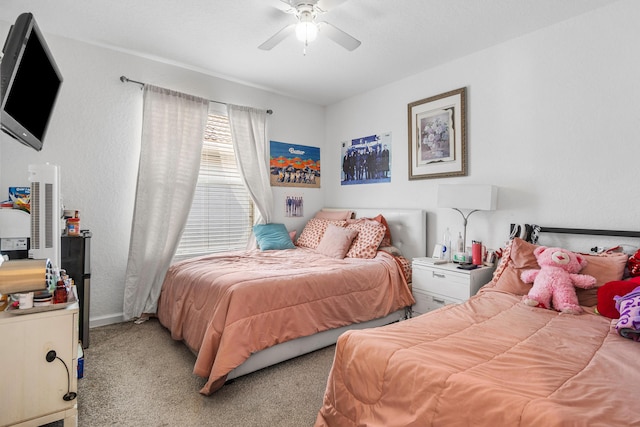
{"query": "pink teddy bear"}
[(555, 281)]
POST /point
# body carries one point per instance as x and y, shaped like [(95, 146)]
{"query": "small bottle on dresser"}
[(60, 294)]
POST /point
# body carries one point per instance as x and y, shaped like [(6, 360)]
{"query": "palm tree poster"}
[(294, 165), (366, 160)]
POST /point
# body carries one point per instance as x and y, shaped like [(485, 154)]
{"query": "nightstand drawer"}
[(442, 282), (426, 302)]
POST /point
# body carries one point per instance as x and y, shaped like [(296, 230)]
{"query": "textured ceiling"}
[(220, 37)]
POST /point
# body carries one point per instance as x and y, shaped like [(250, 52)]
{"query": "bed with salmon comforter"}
[(228, 307), (491, 361)]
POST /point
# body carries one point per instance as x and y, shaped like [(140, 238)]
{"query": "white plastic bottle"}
[(446, 245)]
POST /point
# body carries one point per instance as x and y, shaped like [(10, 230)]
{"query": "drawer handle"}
[(438, 301), (438, 275)]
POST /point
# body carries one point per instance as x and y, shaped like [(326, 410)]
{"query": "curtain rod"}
[(125, 79)]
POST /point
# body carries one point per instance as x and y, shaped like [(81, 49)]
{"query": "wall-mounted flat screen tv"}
[(29, 83)]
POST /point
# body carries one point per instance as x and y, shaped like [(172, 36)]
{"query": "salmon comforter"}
[(227, 306), (491, 361)]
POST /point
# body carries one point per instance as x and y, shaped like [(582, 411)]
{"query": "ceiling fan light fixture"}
[(306, 30)]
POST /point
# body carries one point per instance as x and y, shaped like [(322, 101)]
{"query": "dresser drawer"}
[(426, 302), (442, 282)]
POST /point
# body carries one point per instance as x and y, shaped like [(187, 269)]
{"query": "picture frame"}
[(438, 136)]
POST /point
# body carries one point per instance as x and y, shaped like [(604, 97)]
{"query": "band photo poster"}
[(366, 160), (293, 206)]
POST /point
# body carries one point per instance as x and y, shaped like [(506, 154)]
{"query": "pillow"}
[(334, 215), (518, 257), (292, 235), (386, 240), (366, 243), (605, 268), (314, 230), (336, 241), (272, 236)]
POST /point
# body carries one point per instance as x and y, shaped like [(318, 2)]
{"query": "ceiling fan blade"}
[(338, 36), (330, 4), (278, 37), (289, 8)]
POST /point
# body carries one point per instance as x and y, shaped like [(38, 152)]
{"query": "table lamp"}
[(467, 197)]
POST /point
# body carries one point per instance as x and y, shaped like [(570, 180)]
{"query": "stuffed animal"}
[(555, 280), (608, 292)]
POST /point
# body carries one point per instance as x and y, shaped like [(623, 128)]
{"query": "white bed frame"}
[(409, 234)]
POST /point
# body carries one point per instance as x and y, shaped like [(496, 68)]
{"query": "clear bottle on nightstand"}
[(460, 245), (446, 245)]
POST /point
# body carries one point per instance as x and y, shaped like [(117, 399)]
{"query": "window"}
[(221, 216)]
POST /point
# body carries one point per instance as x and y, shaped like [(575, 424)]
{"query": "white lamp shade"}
[(468, 196)]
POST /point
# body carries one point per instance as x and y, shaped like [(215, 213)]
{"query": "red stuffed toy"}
[(606, 304)]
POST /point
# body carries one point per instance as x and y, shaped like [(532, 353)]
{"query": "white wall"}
[(552, 119), (94, 137)]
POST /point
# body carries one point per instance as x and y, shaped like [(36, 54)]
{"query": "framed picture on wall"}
[(294, 165), (437, 136)]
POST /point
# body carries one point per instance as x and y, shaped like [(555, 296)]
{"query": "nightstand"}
[(436, 285)]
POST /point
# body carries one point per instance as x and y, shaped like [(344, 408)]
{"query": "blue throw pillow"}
[(272, 236)]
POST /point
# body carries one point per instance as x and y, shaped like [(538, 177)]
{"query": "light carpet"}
[(136, 375)]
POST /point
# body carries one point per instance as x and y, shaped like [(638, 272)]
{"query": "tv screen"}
[(30, 82)]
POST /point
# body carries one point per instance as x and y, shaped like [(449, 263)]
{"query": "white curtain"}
[(249, 136), (172, 132)]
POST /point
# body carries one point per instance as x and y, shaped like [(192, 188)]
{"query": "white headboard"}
[(408, 228)]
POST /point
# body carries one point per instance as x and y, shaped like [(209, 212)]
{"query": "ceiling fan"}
[(307, 29)]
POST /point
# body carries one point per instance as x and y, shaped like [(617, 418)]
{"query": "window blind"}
[(221, 215)]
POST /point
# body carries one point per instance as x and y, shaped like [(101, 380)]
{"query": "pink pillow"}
[(519, 256), (370, 234), (386, 240), (314, 230), (605, 268), (334, 215), (336, 241)]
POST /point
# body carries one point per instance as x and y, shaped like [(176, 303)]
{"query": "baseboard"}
[(95, 322)]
